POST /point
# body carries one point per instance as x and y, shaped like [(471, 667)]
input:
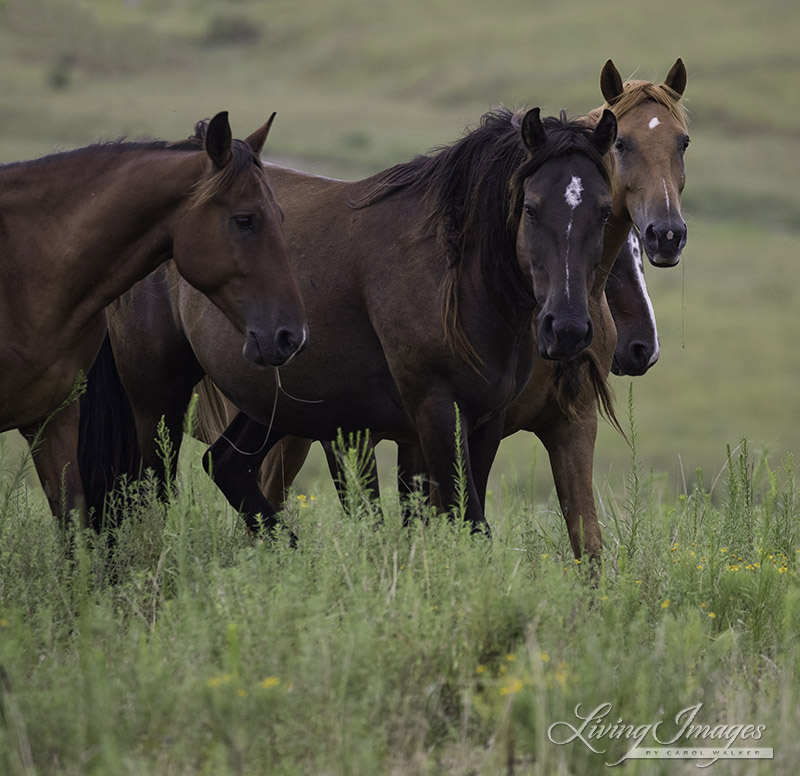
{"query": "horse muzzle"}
[(635, 360), (664, 243), (275, 350), (562, 339)]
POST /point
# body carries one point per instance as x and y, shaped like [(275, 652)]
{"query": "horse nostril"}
[(639, 355), (288, 341), (547, 325)]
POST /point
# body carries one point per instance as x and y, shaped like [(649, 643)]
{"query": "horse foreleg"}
[(55, 456), (571, 450), (281, 467), (447, 458), (412, 477), (483, 445), (367, 473), (233, 462)]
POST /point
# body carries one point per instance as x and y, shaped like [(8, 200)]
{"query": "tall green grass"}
[(176, 645)]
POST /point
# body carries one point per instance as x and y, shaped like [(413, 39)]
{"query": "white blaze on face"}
[(654, 122), (572, 195), (666, 195), (636, 251)]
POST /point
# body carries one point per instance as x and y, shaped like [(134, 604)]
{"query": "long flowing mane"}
[(635, 92), (473, 188)]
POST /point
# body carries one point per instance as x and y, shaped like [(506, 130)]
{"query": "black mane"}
[(474, 187)]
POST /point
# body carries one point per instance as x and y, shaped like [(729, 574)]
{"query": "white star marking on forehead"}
[(573, 192), (654, 122)]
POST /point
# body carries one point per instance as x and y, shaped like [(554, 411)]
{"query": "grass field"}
[(371, 649), (185, 649)]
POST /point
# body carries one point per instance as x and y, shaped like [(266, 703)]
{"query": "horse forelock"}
[(634, 93), (243, 159)]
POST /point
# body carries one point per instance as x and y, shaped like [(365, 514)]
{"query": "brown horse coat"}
[(79, 228)]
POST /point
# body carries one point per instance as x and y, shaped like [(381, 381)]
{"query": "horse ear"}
[(533, 134), (610, 83), (676, 78), (259, 137), (605, 133), (219, 139)]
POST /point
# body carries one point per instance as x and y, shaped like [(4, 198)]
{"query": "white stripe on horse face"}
[(636, 251), (572, 195)]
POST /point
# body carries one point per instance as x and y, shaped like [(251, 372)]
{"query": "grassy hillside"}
[(360, 85)]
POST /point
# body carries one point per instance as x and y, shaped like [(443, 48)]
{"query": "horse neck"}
[(479, 332), (616, 233), (92, 225)]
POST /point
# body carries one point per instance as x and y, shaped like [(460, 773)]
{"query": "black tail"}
[(107, 444)]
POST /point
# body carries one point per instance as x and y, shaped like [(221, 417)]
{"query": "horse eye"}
[(243, 222), (530, 212), (685, 142), (619, 146), (605, 213)]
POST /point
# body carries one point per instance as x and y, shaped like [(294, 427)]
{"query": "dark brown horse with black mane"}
[(77, 229), (420, 286), (647, 184)]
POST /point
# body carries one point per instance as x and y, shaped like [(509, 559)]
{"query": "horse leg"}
[(412, 473), (444, 452), (55, 456), (368, 465), (483, 445), (233, 462), (412, 477), (571, 450), (161, 389), (281, 467)]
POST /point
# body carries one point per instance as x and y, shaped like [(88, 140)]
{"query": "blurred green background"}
[(361, 84)]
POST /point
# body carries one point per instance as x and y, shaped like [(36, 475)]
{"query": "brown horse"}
[(79, 228), (420, 284), (647, 184)]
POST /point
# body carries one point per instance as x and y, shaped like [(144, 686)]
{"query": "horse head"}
[(649, 150), (565, 202), (230, 245)]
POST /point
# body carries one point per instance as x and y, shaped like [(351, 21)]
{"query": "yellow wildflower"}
[(270, 681), (513, 686)]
